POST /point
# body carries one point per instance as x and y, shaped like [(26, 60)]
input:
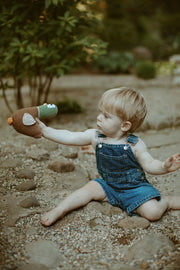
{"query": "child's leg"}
[(153, 209), (173, 202), (80, 197)]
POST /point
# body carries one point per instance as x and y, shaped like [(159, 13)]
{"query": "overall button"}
[(126, 147), (100, 145)]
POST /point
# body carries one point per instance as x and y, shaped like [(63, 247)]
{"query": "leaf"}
[(26, 58)]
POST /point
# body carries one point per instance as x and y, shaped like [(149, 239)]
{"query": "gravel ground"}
[(97, 236)]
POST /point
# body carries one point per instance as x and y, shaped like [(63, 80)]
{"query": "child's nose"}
[(99, 117)]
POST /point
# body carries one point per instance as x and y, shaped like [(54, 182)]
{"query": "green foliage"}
[(68, 105), (165, 68), (120, 34), (153, 24), (145, 69), (115, 62), (41, 40)]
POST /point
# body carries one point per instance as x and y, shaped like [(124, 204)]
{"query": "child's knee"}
[(153, 214), (95, 190), (151, 210)]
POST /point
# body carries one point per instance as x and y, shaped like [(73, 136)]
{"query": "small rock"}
[(11, 163), (26, 173), (28, 185), (144, 264), (38, 154), (95, 222), (15, 149), (29, 202), (61, 166), (71, 155), (133, 223), (50, 146)]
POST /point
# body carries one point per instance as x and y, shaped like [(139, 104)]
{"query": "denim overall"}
[(123, 179)]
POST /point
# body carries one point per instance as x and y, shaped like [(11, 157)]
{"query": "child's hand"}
[(172, 163)]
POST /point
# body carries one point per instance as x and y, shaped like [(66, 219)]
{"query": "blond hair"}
[(128, 104)]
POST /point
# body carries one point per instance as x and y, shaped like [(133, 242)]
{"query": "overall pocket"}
[(112, 164)]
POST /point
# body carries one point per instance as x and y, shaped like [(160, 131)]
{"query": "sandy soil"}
[(97, 236)]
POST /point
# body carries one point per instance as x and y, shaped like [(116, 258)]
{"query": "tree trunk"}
[(18, 93), (46, 94), (3, 87)]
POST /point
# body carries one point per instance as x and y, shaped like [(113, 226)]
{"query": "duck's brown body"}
[(24, 120)]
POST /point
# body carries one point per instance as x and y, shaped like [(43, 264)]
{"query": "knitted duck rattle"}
[(24, 120)]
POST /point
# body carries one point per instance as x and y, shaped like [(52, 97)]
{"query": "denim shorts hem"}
[(121, 201), (108, 194), (136, 204)]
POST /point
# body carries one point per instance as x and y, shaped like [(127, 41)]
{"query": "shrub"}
[(42, 40), (68, 105), (115, 62), (145, 69)]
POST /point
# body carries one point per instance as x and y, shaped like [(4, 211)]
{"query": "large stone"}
[(133, 223), (175, 58), (142, 53), (148, 246), (44, 252), (15, 211)]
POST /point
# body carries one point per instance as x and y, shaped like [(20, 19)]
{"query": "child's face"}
[(109, 124)]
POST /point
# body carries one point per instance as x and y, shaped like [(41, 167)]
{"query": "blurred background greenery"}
[(44, 39), (138, 30)]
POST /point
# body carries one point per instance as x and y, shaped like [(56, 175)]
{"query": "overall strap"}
[(132, 139)]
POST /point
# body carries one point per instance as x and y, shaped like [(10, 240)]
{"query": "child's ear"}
[(126, 125)]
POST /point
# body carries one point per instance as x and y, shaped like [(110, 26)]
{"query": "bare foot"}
[(50, 217), (173, 202)]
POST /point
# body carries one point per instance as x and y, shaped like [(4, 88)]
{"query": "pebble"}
[(28, 185), (25, 173), (29, 202), (38, 154), (61, 166), (71, 155), (144, 264), (11, 163)]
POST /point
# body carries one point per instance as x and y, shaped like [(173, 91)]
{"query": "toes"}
[(45, 221)]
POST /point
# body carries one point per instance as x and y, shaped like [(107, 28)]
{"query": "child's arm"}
[(154, 166), (67, 137)]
